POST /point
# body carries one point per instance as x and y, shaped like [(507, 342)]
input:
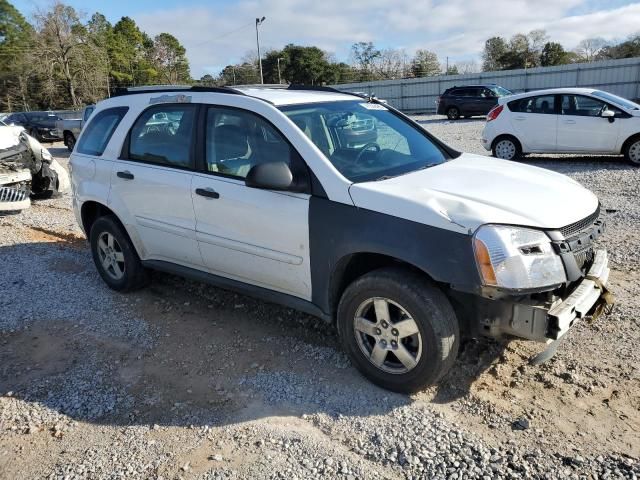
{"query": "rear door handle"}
[(207, 192), (570, 122), (127, 175), (520, 118)]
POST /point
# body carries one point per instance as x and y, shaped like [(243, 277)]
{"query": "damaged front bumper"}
[(549, 321)]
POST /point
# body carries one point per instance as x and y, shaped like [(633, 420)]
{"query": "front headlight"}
[(46, 155), (516, 258)]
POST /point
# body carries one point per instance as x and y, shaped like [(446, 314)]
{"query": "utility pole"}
[(279, 76), (446, 72), (258, 23)]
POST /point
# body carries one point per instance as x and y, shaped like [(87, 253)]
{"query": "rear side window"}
[(164, 135), (99, 131), (544, 104)]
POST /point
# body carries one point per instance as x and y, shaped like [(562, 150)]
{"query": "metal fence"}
[(417, 95)]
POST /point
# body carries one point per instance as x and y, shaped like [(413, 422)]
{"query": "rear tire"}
[(632, 151), (115, 256), (406, 345), (506, 148), (453, 113), (69, 141)]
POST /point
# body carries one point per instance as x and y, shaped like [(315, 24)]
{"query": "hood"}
[(473, 190), (9, 136)]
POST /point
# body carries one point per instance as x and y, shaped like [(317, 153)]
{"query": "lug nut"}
[(394, 332), (394, 344), (383, 343), (378, 331), (385, 324)]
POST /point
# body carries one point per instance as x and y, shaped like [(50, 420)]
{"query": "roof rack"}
[(174, 88)]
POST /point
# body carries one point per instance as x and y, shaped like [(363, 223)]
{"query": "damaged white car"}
[(26, 169)]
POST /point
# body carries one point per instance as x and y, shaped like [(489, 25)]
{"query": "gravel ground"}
[(182, 380)]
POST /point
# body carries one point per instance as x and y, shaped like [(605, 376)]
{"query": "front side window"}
[(366, 141), (583, 106), (236, 140), (543, 104), (96, 136), (164, 135)]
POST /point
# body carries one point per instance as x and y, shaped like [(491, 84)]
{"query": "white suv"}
[(563, 120), (340, 206)]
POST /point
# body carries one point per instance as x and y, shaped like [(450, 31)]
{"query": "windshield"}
[(366, 141), (622, 102), (500, 92)]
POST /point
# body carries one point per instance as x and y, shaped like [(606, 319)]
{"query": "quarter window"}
[(97, 134), (543, 104), (236, 140), (164, 135)]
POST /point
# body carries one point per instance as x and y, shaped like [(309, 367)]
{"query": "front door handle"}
[(207, 192), (520, 119), (570, 122), (127, 175)]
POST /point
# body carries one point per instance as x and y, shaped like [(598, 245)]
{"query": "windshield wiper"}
[(387, 177)]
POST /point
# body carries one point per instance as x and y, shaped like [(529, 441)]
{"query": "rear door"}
[(468, 100), (486, 101), (581, 128), (151, 183), (534, 121)]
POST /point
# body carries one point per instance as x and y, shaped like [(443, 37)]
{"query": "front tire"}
[(632, 152), (453, 113), (115, 256), (506, 148), (399, 330)]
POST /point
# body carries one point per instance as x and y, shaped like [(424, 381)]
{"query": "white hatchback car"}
[(563, 120), (342, 207)]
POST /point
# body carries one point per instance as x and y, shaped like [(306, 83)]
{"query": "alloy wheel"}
[(387, 335), (111, 256)]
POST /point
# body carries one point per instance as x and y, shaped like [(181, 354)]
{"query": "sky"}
[(220, 32)]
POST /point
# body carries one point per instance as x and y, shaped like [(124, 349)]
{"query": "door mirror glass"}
[(270, 176), (608, 114)]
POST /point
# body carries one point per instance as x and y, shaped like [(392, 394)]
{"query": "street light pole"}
[(279, 76), (259, 22)]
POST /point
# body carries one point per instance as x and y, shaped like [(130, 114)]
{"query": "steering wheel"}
[(368, 146)]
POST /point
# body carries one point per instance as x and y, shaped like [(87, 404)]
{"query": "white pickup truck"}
[(69, 129)]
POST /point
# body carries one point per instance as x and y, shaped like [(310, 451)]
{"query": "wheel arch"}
[(91, 210), (628, 141), (354, 265), (503, 136)]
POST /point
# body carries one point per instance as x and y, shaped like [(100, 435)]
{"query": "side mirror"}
[(608, 114), (270, 176)]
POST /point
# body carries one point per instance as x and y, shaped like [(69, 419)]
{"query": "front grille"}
[(580, 225), (9, 194)]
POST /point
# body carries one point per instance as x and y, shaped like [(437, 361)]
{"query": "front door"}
[(247, 234), (581, 128), (151, 185)]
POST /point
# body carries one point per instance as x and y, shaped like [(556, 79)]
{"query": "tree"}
[(207, 80), (364, 55), (130, 52), (391, 63), (494, 49), (305, 65), (553, 54), (425, 64), (452, 70), (468, 67), (589, 48), (169, 59), (16, 44)]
